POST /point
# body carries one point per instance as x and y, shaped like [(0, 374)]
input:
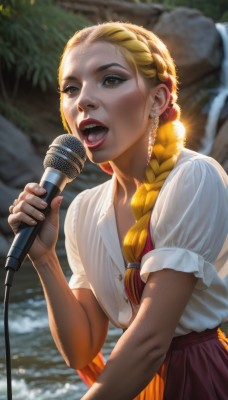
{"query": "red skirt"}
[(197, 367)]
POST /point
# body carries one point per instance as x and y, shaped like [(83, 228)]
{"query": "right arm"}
[(77, 322)]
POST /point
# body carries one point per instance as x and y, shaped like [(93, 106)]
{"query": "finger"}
[(29, 203), (11, 209), (30, 210), (15, 202), (26, 211), (35, 188), (15, 221), (32, 188)]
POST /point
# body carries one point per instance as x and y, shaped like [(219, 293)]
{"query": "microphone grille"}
[(66, 154)]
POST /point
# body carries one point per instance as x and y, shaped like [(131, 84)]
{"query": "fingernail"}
[(60, 201), (40, 189)]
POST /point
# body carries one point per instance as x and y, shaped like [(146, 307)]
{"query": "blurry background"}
[(32, 37)]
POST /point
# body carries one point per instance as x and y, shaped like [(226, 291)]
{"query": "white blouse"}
[(189, 226)]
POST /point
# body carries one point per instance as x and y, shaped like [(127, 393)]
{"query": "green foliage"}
[(224, 17), (16, 116), (32, 37)]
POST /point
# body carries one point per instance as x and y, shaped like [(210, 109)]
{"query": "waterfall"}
[(219, 100)]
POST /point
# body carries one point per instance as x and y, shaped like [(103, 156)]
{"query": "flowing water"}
[(220, 96), (38, 371)]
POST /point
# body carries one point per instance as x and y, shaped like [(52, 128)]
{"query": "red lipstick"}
[(94, 133)]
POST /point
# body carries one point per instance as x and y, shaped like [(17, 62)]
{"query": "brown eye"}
[(70, 89), (113, 80)]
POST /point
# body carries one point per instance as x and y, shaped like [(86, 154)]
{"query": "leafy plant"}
[(32, 36), (14, 114)]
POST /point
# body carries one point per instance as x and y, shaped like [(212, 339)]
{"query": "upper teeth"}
[(90, 126)]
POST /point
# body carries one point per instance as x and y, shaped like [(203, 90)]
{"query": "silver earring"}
[(152, 134)]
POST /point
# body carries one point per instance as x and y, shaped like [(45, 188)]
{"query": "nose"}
[(86, 100)]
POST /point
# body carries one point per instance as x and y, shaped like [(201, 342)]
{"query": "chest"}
[(124, 219)]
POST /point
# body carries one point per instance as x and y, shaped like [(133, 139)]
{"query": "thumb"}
[(56, 203), (55, 206)]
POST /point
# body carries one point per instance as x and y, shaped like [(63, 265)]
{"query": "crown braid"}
[(144, 51)]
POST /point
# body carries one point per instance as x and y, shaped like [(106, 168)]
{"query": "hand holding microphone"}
[(63, 163)]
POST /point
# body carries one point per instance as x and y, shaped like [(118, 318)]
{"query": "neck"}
[(130, 175), (126, 185)]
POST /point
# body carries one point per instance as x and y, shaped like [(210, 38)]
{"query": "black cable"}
[(6, 331)]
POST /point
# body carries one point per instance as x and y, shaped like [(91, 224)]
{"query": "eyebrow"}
[(106, 66), (99, 69)]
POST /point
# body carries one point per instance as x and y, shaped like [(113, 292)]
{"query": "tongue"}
[(95, 137)]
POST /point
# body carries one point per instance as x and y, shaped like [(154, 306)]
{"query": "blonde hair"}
[(148, 56)]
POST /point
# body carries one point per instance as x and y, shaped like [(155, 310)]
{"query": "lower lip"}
[(94, 146)]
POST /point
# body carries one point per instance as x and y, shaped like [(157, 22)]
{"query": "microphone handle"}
[(26, 234)]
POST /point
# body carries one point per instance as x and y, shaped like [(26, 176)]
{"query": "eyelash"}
[(115, 81), (112, 78), (68, 90)]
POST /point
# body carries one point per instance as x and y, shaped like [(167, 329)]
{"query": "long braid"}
[(170, 139)]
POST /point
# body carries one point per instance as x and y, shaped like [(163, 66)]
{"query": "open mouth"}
[(94, 135)]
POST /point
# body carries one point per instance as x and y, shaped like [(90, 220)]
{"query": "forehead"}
[(93, 55)]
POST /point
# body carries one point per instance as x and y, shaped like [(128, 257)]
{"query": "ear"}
[(160, 98)]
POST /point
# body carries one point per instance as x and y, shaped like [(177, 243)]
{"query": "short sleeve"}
[(78, 278), (189, 224)]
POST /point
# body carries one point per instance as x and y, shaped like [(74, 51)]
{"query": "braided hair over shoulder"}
[(148, 56)]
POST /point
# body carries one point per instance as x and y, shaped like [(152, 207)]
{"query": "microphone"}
[(63, 162)]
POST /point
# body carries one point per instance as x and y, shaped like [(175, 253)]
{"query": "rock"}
[(4, 246), (193, 41), (19, 162), (7, 196), (220, 147), (113, 10)]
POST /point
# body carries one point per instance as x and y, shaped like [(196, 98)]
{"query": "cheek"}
[(65, 108), (68, 112), (130, 108)]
